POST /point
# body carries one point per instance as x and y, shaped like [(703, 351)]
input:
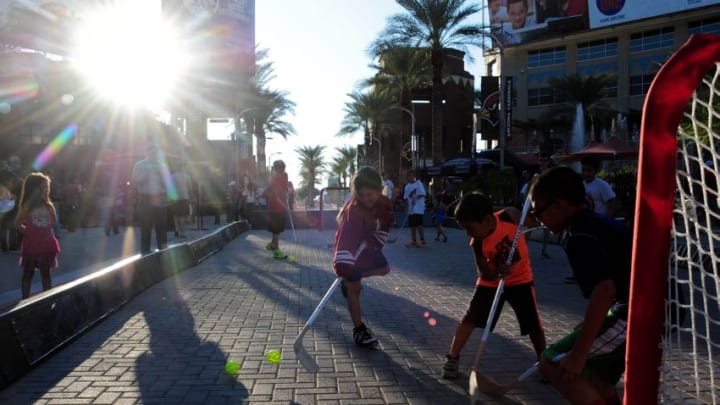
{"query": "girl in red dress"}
[(35, 219)]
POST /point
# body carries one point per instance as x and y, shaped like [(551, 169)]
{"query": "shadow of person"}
[(180, 367)]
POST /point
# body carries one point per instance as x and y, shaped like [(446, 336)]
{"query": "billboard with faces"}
[(518, 22)]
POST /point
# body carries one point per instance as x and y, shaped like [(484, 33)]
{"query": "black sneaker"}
[(363, 336), (450, 368)]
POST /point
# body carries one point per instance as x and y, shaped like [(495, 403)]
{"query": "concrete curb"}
[(44, 324)]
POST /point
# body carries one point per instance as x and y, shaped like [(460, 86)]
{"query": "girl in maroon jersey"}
[(363, 225)]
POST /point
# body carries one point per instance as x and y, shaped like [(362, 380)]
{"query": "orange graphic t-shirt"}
[(492, 252)]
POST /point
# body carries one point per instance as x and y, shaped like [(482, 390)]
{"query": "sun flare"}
[(128, 54)]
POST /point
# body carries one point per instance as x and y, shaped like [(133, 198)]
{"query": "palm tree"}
[(399, 71), (434, 25), (264, 110), (312, 166), (343, 165), (367, 111), (589, 91)]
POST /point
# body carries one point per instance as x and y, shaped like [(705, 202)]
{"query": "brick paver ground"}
[(169, 345)]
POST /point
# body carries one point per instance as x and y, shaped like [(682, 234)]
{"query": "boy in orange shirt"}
[(491, 237)]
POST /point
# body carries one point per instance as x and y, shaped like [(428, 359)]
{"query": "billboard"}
[(604, 13), (517, 22), (40, 25)]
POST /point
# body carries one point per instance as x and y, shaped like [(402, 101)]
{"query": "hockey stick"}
[(287, 209), (489, 386), (308, 363), (397, 234), (475, 374)]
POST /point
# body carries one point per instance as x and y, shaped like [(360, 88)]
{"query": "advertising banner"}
[(518, 22), (604, 13), (489, 115)]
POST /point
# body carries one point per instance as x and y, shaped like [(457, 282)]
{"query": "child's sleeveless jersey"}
[(495, 248), (39, 237)]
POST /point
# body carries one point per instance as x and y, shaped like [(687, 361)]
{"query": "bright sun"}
[(129, 54)]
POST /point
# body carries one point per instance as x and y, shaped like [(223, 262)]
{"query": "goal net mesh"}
[(690, 368)]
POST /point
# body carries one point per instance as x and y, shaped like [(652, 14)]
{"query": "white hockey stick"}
[(475, 374), (308, 363), (489, 386)]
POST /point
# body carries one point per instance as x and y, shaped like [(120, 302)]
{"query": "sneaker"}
[(450, 368), (445, 239), (422, 243), (363, 336), (545, 254), (279, 254), (270, 247), (570, 280), (412, 244)]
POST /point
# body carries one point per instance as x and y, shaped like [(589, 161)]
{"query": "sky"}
[(319, 51)]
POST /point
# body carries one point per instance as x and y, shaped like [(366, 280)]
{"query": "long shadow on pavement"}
[(412, 350)]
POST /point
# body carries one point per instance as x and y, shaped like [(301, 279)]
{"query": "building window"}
[(546, 57), (597, 49), (544, 96), (640, 84), (709, 26), (655, 39)]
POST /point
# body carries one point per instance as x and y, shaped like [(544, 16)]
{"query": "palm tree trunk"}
[(260, 134), (436, 103)]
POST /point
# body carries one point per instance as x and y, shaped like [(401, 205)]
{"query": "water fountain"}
[(577, 137)]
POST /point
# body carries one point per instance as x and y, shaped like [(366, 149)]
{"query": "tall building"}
[(627, 41)]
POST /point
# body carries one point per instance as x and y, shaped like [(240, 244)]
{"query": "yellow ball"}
[(273, 356), (291, 259), (232, 367)]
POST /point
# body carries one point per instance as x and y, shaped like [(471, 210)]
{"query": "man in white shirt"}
[(147, 178), (599, 194), (414, 195), (388, 186)]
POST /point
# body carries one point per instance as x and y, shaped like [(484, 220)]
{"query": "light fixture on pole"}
[(413, 139)]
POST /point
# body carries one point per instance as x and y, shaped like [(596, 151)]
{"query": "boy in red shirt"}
[(363, 225), (277, 200), (491, 237)]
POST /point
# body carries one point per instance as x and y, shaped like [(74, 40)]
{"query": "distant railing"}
[(322, 200)]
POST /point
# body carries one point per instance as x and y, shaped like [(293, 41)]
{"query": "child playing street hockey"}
[(491, 237), (363, 225)]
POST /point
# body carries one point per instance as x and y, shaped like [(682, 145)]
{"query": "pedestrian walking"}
[(148, 180), (415, 197), (35, 220), (363, 225)]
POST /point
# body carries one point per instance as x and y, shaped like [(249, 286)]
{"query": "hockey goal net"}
[(673, 348)]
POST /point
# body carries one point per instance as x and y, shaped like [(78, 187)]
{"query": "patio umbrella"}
[(613, 148)]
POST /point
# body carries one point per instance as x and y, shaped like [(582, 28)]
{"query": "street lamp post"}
[(238, 133), (413, 141), (503, 124)]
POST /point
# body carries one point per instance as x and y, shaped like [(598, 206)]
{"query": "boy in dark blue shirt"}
[(599, 251)]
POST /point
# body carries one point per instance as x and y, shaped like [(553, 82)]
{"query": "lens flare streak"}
[(54, 147)]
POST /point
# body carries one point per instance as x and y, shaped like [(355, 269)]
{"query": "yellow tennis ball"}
[(273, 356), (232, 367)]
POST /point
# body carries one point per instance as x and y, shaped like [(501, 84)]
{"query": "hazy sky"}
[(319, 52)]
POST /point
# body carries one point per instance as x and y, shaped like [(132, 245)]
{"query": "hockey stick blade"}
[(480, 382), (308, 363)]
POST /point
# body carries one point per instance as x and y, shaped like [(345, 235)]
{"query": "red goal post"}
[(657, 205)]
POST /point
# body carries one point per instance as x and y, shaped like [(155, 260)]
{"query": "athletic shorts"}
[(415, 220), (607, 356), (522, 299), (378, 262), (276, 222)]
